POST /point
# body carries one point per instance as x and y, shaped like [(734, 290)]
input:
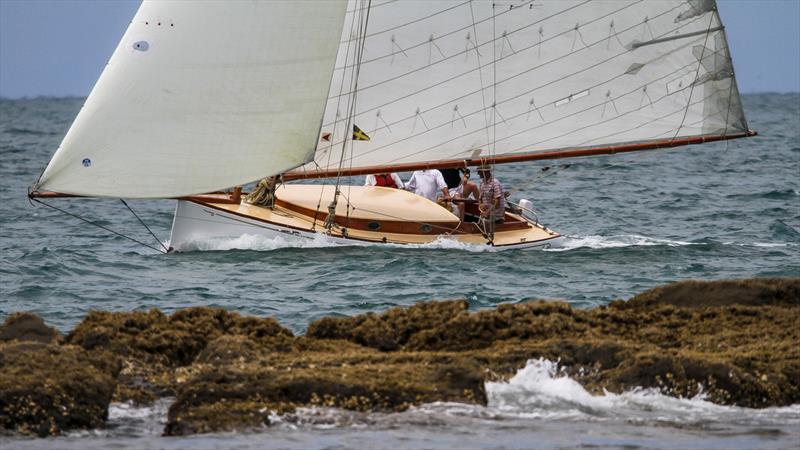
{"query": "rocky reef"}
[(736, 341)]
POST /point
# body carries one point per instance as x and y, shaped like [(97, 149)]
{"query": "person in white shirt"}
[(385, 180), (428, 184)]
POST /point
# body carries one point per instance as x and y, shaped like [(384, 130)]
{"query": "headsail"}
[(465, 80), (202, 96)]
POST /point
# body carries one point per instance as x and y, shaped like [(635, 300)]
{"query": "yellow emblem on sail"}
[(359, 135)]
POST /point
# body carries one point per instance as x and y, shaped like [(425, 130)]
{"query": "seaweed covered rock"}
[(734, 341), (25, 326), (532, 320), (228, 349), (224, 398), (174, 340), (702, 294), (389, 330), (46, 389)]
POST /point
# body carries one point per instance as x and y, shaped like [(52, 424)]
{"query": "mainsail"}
[(201, 96), (512, 79)]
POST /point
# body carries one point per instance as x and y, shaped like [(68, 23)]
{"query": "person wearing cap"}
[(492, 201)]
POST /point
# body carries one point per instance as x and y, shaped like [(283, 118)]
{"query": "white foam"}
[(769, 244), (447, 243), (259, 243), (617, 241), (126, 419), (539, 391), (319, 240)]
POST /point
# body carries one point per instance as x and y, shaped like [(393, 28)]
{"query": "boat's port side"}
[(373, 216)]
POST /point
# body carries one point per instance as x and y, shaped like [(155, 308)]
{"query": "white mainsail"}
[(201, 96), (461, 79)]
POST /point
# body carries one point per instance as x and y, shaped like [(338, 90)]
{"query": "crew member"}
[(385, 179), (428, 183)]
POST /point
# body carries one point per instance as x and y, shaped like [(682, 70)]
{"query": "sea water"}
[(722, 210)]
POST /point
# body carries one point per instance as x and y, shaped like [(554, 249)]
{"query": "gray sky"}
[(59, 47)]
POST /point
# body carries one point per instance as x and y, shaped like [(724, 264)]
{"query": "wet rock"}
[(228, 349), (46, 389), (534, 320), (680, 376), (236, 398), (733, 341), (27, 327), (171, 340), (697, 294), (389, 330)]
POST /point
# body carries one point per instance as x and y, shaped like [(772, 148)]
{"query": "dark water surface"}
[(722, 210)]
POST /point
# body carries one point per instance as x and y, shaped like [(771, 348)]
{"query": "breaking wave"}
[(540, 391)]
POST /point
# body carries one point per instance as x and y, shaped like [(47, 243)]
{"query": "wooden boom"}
[(558, 154)]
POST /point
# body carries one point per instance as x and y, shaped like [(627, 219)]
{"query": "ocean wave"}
[(616, 241), (540, 391), (130, 420), (633, 240)]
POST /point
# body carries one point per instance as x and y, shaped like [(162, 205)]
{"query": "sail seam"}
[(467, 27), (523, 113), (505, 79), (396, 77), (638, 88)]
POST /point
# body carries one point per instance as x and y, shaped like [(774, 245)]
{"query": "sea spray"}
[(541, 390)]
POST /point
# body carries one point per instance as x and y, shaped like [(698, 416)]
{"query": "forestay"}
[(453, 80), (200, 96)]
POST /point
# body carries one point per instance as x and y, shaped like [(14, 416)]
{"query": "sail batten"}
[(202, 96)]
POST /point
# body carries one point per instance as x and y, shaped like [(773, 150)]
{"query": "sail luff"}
[(508, 159)]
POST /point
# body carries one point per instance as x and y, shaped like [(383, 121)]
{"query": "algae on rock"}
[(736, 341)]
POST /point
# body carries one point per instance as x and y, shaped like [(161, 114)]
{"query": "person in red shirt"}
[(385, 179)]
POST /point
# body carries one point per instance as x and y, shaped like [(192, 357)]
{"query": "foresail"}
[(465, 80), (200, 96)]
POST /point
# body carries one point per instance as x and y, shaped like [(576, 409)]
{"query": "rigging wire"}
[(480, 70), (362, 31), (144, 224), (485, 109), (363, 22), (488, 42), (98, 225), (696, 74), (333, 131), (458, 30), (576, 113)]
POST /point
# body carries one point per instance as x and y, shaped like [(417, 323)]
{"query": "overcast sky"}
[(59, 47)]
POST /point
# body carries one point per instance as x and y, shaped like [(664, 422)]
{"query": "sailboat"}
[(200, 99)]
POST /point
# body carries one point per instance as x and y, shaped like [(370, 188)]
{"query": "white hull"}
[(195, 223)]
